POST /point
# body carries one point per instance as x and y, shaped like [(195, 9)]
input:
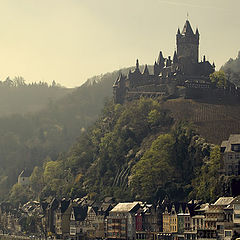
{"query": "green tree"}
[(207, 184), (219, 78), (154, 169), (20, 194)]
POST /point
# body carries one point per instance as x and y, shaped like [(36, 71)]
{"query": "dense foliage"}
[(219, 78), (140, 150), (29, 137), (134, 151)]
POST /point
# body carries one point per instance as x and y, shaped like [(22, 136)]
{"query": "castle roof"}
[(146, 71), (187, 29), (160, 58)]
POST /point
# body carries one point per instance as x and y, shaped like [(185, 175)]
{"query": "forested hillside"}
[(133, 151), (37, 121), (113, 156)]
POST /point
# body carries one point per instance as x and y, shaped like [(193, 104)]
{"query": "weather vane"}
[(187, 16)]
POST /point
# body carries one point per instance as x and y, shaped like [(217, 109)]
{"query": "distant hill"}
[(17, 97), (232, 69), (38, 122)]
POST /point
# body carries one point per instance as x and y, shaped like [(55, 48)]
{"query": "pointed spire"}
[(160, 58), (204, 58), (156, 69), (197, 32), (137, 64), (187, 29), (169, 62), (175, 58), (178, 31), (146, 71), (117, 81), (213, 65)]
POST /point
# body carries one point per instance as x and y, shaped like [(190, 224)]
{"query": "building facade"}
[(230, 151)]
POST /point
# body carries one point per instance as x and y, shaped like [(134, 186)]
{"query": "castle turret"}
[(161, 60), (119, 89), (188, 43), (169, 62), (175, 58), (156, 69), (146, 71), (137, 67)]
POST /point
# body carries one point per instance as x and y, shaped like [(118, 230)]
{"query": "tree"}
[(154, 169), (219, 78), (20, 194), (36, 180), (206, 185)]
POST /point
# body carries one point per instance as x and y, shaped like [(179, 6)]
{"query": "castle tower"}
[(188, 43)]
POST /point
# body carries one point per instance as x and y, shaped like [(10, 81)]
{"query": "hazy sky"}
[(71, 40)]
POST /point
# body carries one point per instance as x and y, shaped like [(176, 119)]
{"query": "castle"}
[(183, 75)]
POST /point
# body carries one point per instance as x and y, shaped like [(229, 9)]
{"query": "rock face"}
[(183, 70)]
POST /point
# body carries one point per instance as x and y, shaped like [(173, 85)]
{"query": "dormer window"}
[(235, 147)]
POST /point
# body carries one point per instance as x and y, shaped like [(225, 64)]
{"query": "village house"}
[(83, 219), (232, 219), (230, 150), (121, 222), (78, 214), (101, 218), (62, 219)]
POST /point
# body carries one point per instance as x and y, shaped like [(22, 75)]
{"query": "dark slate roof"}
[(44, 205), (64, 205), (54, 204), (187, 29), (109, 200), (146, 71), (160, 58), (80, 212), (183, 205), (105, 207)]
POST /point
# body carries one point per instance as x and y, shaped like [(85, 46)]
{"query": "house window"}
[(237, 206), (236, 215), (228, 233)]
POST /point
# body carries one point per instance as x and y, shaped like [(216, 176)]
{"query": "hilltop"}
[(18, 97), (142, 149), (77, 139)]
